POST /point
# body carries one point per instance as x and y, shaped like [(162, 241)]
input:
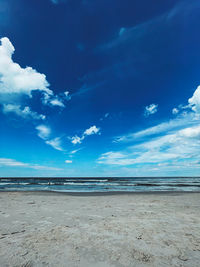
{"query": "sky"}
[(99, 88)]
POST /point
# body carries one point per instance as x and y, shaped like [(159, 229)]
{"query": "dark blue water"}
[(103, 184)]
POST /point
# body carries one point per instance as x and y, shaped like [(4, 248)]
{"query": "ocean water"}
[(102, 184)]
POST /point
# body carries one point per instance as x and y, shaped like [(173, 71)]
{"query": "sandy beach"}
[(54, 229)]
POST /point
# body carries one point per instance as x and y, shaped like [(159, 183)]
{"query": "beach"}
[(99, 230)]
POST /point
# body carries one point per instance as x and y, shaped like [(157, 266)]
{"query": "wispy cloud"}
[(134, 34), (75, 151), (106, 115), (55, 143), (171, 125), (25, 112), (174, 142), (183, 120), (56, 2), (43, 131), (68, 161), (183, 145), (122, 31), (14, 163)]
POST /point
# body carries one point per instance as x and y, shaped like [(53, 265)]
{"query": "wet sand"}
[(54, 229)]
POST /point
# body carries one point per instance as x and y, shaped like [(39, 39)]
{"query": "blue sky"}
[(99, 87)]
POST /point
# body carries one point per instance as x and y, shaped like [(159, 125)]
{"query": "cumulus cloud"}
[(151, 109), (76, 140), (14, 163), (193, 104), (55, 143), (43, 131), (17, 80), (24, 112), (90, 131), (194, 101)]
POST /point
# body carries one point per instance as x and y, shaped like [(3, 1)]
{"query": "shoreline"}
[(109, 193)]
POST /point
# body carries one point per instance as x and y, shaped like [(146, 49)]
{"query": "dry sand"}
[(51, 229)]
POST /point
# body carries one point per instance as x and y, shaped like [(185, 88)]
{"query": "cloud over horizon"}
[(14, 163), (166, 144)]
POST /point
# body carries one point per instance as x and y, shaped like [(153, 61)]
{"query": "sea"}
[(101, 184)]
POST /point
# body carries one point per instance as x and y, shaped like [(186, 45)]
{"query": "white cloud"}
[(68, 161), (76, 140), (11, 162), (75, 151), (177, 146), (151, 109), (182, 121), (183, 145), (14, 163), (175, 111), (43, 131), (90, 131), (193, 132), (24, 113), (67, 95), (55, 143), (194, 101), (57, 102), (17, 80)]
